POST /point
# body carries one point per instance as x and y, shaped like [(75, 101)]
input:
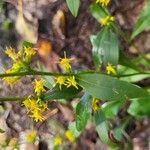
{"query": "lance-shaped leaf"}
[(83, 112), (143, 21), (98, 12), (109, 88), (64, 93), (102, 128), (73, 6), (105, 47)]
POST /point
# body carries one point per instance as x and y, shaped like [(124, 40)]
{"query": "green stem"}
[(3, 99), (33, 72), (133, 74)]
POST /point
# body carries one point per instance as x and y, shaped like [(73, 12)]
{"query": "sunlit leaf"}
[(109, 88), (105, 47), (73, 6)]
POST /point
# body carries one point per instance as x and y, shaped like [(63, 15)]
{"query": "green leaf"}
[(143, 21), (120, 129), (98, 12), (140, 107), (105, 47), (83, 112), (109, 88), (2, 131), (72, 127), (64, 93), (111, 108), (102, 128), (26, 44), (73, 6)]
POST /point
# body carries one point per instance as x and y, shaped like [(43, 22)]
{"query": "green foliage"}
[(102, 128), (111, 108), (98, 12), (73, 5), (83, 112), (64, 93), (140, 107), (105, 47), (109, 88), (143, 21)]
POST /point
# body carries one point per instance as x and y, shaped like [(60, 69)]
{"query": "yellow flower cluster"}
[(31, 136), (69, 135), (103, 2), (39, 87), (95, 104), (106, 20), (21, 62), (67, 81), (110, 69), (65, 62), (36, 107)]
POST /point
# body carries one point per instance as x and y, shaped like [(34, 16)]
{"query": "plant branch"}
[(3, 99)]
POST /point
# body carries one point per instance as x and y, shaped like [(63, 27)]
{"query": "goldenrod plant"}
[(103, 91)]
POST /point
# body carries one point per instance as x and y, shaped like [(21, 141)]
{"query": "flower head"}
[(39, 87), (106, 20), (103, 2), (110, 69), (60, 81), (57, 140), (37, 115), (65, 62), (29, 51), (95, 104), (71, 82), (11, 53), (31, 136), (31, 103), (70, 135)]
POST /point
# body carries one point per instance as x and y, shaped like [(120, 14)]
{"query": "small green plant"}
[(105, 91)]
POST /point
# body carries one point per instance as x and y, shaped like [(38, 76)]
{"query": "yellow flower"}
[(70, 135), (60, 81), (95, 104), (31, 103), (39, 87), (31, 136), (103, 2), (110, 69), (11, 53), (37, 115), (57, 140), (71, 82), (29, 51), (65, 62), (106, 20)]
